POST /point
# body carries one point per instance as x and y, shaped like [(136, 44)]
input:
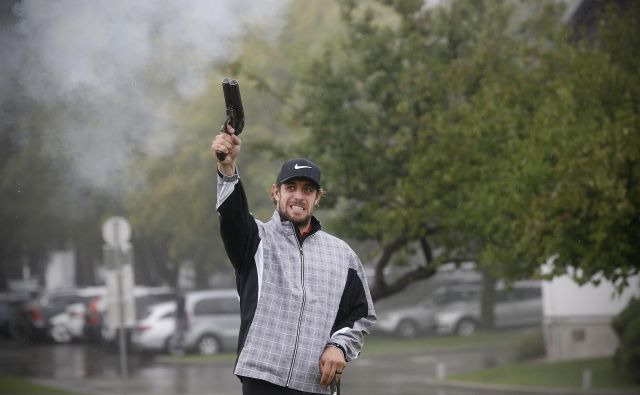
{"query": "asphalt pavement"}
[(95, 370)]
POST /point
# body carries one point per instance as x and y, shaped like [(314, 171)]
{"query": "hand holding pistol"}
[(234, 110)]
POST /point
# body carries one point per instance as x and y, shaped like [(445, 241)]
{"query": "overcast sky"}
[(116, 65)]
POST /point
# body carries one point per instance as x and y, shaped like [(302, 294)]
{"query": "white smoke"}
[(114, 67)]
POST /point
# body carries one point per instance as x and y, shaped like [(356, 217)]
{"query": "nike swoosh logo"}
[(298, 167)]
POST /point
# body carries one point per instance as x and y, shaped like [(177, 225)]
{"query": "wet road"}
[(95, 370)]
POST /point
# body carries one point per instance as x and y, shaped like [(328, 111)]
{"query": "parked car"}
[(455, 309), (97, 324), (154, 330), (38, 313), (517, 306), (407, 320), (69, 324), (10, 315), (211, 322)]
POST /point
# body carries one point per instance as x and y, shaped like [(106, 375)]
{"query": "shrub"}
[(627, 326), (530, 345)]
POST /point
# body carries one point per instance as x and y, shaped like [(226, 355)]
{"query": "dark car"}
[(37, 313), (10, 315)]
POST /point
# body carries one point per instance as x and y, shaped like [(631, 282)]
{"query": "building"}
[(577, 319)]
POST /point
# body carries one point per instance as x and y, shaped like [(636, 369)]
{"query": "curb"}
[(500, 389)]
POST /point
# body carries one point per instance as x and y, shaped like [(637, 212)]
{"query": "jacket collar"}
[(288, 228)]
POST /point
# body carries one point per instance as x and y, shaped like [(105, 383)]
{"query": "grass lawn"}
[(565, 374), (195, 358), (376, 345), (383, 345), (22, 386)]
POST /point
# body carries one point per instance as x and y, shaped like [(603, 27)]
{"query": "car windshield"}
[(454, 295), (143, 303)]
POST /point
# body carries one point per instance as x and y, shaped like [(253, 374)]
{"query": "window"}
[(61, 300), (170, 314), (217, 306), (528, 293)]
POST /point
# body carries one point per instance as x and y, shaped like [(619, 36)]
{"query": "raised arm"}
[(237, 226)]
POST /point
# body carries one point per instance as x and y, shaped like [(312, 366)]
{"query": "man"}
[(304, 299)]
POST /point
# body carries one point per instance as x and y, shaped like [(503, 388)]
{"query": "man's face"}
[(295, 200)]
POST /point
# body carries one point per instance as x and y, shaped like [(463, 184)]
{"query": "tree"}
[(569, 182), (455, 128), (41, 207), (173, 210), (29, 179)]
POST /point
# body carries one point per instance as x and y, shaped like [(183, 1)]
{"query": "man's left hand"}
[(332, 364)]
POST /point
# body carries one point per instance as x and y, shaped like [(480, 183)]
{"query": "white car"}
[(211, 324), (68, 325), (143, 297), (154, 331)]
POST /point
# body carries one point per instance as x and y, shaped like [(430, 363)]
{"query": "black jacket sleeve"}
[(237, 226)]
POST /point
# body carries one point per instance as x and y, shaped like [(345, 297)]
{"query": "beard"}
[(299, 223)]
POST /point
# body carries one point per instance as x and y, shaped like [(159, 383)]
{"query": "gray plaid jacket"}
[(296, 296)]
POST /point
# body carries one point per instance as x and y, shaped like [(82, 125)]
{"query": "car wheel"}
[(466, 327), (407, 329), (60, 334), (208, 345)]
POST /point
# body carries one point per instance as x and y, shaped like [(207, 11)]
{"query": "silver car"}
[(208, 323), (212, 321), (455, 309), (517, 306), (154, 330)]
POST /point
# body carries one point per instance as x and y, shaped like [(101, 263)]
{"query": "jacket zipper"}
[(304, 300)]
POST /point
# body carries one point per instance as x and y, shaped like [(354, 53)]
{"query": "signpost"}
[(118, 259)]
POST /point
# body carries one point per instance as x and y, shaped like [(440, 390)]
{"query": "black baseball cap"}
[(299, 168)]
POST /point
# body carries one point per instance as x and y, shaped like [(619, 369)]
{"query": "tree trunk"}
[(487, 301)]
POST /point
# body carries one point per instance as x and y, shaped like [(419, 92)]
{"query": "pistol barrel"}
[(233, 103)]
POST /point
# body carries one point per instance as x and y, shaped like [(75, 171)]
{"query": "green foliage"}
[(477, 131), (530, 345), (36, 208), (483, 135), (627, 326), (576, 164)]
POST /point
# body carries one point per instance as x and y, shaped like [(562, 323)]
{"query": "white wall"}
[(577, 319), (61, 270), (563, 297)]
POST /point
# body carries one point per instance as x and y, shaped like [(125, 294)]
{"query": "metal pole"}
[(121, 315), (123, 341)]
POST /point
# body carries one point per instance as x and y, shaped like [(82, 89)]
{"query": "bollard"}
[(441, 371), (587, 379)]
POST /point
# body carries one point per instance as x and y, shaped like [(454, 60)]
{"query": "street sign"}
[(187, 276), (121, 308), (118, 259), (116, 232)]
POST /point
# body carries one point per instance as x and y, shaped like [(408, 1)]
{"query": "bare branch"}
[(414, 275), (384, 259)]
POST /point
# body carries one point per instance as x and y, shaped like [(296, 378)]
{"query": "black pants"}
[(260, 387)]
